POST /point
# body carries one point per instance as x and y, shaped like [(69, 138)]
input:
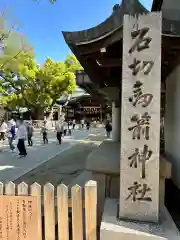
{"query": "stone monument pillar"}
[(140, 118)]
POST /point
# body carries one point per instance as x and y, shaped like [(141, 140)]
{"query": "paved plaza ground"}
[(71, 155)]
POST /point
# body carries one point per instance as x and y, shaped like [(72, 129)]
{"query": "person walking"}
[(65, 125), (82, 123), (11, 136), (21, 136), (88, 125), (70, 129), (108, 128), (12, 122), (44, 133), (30, 131), (3, 130), (74, 123), (59, 133)]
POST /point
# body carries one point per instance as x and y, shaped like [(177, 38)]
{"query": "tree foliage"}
[(72, 63), (11, 41), (26, 84), (23, 83), (12, 44)]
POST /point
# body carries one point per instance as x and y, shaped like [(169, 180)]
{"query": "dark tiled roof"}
[(111, 24), (157, 4)]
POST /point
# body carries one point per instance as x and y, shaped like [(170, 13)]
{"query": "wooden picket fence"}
[(55, 207)]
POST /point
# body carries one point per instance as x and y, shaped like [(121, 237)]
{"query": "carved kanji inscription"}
[(139, 97), (140, 158), (141, 40), (141, 127), (139, 192), (139, 65)]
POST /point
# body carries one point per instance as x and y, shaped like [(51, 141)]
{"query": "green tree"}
[(25, 84), (12, 43), (72, 63)]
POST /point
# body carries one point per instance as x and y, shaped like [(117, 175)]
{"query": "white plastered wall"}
[(172, 123)]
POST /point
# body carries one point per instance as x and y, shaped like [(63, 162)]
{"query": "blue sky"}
[(42, 22)]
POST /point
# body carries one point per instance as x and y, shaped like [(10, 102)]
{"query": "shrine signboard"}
[(18, 218), (140, 118), (91, 110)]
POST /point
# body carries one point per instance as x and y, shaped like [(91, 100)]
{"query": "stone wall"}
[(172, 123)]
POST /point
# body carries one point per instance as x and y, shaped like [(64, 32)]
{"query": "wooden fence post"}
[(1, 188), (23, 189), (10, 189), (77, 227), (49, 213), (35, 191), (62, 207), (91, 210)]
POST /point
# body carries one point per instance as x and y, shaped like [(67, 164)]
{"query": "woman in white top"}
[(3, 130), (70, 126), (74, 123), (21, 136)]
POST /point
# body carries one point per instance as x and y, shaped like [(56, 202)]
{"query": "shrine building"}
[(100, 50), (84, 105)]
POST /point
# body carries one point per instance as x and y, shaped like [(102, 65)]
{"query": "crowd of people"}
[(22, 131)]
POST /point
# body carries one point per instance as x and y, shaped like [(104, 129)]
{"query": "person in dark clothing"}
[(87, 125), (21, 148), (30, 131), (108, 128), (65, 132), (59, 137)]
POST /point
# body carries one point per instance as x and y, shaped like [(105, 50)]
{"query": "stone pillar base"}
[(111, 228)]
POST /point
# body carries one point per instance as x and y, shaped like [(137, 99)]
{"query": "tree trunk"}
[(2, 114)]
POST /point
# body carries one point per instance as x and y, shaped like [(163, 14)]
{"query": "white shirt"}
[(82, 121), (74, 121), (9, 131), (21, 132), (65, 126), (60, 127), (12, 122), (3, 127)]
